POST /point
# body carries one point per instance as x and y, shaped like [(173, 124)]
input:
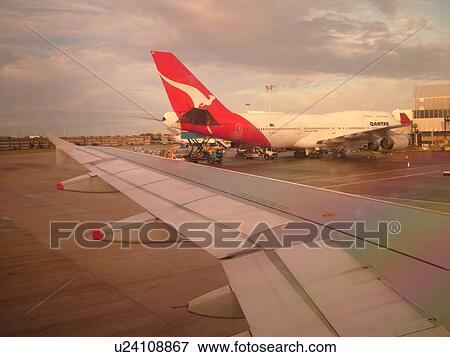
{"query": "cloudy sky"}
[(304, 47)]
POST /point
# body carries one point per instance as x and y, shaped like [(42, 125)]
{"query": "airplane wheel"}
[(299, 154), (339, 154), (314, 155)]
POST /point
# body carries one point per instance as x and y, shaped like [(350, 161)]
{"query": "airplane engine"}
[(373, 145), (396, 142)]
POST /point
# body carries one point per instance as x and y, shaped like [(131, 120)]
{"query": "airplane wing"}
[(400, 290), (363, 135)]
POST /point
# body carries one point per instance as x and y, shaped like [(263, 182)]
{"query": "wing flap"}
[(353, 298), (271, 305)]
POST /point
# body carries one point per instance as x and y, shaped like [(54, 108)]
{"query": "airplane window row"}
[(277, 129), (305, 129), (269, 128)]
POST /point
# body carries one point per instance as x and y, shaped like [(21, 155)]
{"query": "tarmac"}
[(141, 291), (387, 177)]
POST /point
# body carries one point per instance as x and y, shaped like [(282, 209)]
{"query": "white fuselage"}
[(283, 130), (308, 130)]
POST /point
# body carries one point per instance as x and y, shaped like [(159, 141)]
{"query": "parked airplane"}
[(197, 110)]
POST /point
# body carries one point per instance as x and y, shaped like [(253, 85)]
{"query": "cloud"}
[(387, 7), (235, 47)]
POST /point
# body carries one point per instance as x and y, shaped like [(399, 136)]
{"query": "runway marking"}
[(378, 172), (411, 199), (380, 179)]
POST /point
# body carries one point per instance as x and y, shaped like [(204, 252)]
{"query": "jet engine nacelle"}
[(373, 145), (397, 142)]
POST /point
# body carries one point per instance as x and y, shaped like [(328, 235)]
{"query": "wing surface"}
[(401, 289)]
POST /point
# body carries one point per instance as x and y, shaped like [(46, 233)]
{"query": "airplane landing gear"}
[(339, 154), (316, 154), (300, 154), (310, 154)]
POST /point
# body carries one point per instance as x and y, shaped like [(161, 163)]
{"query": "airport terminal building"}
[(431, 113)]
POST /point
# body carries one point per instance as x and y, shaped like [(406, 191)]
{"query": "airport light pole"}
[(269, 88), (446, 123)]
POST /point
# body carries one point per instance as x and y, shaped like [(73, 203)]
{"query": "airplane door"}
[(238, 130)]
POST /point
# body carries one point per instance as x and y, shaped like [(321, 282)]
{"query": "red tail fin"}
[(404, 119), (198, 110), (183, 89)]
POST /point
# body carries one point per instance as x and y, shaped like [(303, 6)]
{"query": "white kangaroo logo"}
[(197, 97)]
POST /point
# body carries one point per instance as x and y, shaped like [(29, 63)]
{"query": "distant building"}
[(431, 111), (118, 140), (31, 142), (27, 142)]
